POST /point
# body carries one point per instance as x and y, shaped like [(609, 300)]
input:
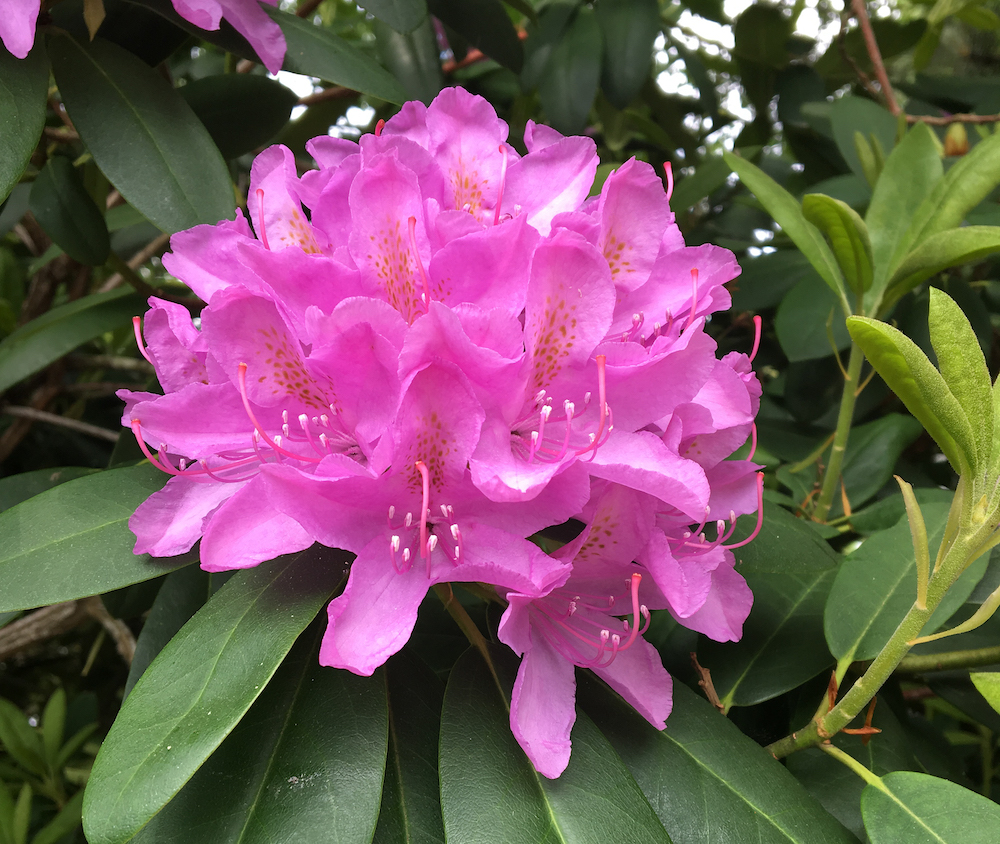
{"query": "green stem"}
[(891, 655), (924, 663), (130, 275), (465, 623), (831, 476), (854, 765)]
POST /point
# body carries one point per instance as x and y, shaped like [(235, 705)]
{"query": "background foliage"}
[(111, 144)]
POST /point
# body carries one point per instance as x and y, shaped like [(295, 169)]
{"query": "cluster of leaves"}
[(232, 731)]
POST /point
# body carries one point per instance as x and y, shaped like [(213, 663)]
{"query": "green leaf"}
[(963, 367), (802, 321), (486, 25), (20, 739), (22, 815), (52, 726), (72, 747), (872, 452), (939, 252), (542, 39), (988, 684), (706, 780), (766, 279), (630, 27), (143, 136), (74, 541), (6, 815), (24, 86), (224, 103), (710, 175), (310, 754), (413, 59), (877, 585), (848, 236), (58, 331), (402, 15), (68, 214), (856, 114), (62, 824), (411, 802), (569, 83), (787, 213), (182, 594), (199, 688), (490, 793), (921, 809), (17, 488), (909, 176), (316, 51), (912, 377), (789, 569)]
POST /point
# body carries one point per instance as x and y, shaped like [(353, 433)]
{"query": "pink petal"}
[(638, 675), (727, 607), (170, 521), (17, 25)]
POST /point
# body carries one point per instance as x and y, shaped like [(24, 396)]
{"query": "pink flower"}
[(17, 25), (429, 351)]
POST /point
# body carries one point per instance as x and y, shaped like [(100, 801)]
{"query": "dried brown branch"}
[(36, 415), (49, 622), (871, 45)]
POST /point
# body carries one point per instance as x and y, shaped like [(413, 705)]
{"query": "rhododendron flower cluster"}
[(452, 350), (19, 17)]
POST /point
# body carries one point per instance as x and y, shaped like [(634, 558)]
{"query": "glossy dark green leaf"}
[(766, 279), (857, 114), (304, 765), (486, 25), (17, 488), (569, 82), (413, 59), (921, 809), (24, 85), (911, 172), (316, 51), (58, 331), (401, 15), (142, 135), (787, 212), (912, 377), (988, 684), (199, 688), (73, 540), (790, 570), (68, 214), (847, 234), (877, 584), (802, 319), (872, 452), (942, 250), (761, 34), (411, 801), (225, 104), (630, 27), (707, 781), (490, 793), (182, 594)]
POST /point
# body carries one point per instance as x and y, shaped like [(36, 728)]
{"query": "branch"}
[(861, 13), (63, 421)]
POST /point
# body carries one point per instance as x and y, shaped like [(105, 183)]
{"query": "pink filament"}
[(260, 216), (420, 264), (669, 171), (760, 515), (694, 298), (138, 339), (503, 179), (756, 337), (425, 484), (379, 127), (602, 398), (242, 378), (753, 440)]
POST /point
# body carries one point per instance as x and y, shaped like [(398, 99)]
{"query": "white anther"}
[(732, 515), (304, 421), (432, 543), (616, 640), (408, 520), (444, 510), (534, 438), (392, 510), (325, 420), (586, 398), (284, 416), (284, 430), (546, 412), (406, 556), (394, 543), (569, 407), (455, 532)]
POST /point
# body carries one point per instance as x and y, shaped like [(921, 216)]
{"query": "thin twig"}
[(155, 247), (953, 118), (334, 92), (861, 13), (65, 422), (866, 81), (119, 362)]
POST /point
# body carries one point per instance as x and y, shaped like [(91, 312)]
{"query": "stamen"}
[(394, 548), (694, 298), (138, 339), (426, 295), (260, 215), (634, 632), (425, 482), (503, 178), (760, 515), (379, 127), (669, 171), (756, 337), (602, 398), (753, 440), (275, 443)]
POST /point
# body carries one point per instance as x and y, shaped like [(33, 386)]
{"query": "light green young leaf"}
[(938, 252), (963, 367), (911, 171), (871, 166), (848, 235), (988, 683), (781, 205), (912, 377)]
